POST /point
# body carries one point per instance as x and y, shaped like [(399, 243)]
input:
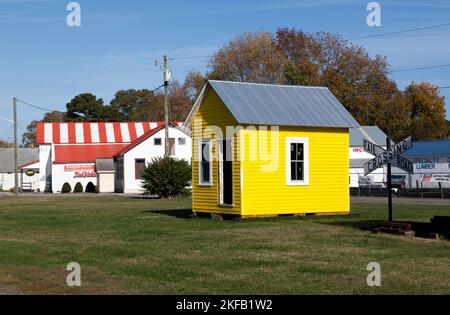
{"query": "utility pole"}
[(167, 75), (16, 166), (389, 181)]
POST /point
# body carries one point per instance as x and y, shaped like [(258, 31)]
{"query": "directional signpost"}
[(391, 156)]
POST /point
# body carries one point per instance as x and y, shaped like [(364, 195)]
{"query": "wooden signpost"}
[(391, 156)]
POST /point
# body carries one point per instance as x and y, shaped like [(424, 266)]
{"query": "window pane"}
[(299, 152), (139, 168), (205, 163), (205, 152), (293, 149), (205, 172), (157, 141), (299, 170), (293, 171), (181, 141)]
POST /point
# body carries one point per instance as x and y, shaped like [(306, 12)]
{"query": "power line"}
[(381, 93), (191, 57), (156, 89), (35, 106), (401, 32), (421, 68)]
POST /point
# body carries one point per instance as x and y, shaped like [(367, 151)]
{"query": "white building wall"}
[(148, 150), (60, 175), (376, 177), (428, 165), (105, 182), (6, 181), (45, 165)]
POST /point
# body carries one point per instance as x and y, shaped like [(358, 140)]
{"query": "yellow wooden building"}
[(261, 149)]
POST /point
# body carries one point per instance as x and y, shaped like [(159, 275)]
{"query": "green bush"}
[(90, 188), (78, 188), (66, 188), (167, 177)]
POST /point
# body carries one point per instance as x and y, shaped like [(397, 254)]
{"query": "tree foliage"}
[(167, 177), (138, 105), (5, 144), (66, 188), (426, 112), (250, 57), (360, 82), (87, 107), (29, 137)]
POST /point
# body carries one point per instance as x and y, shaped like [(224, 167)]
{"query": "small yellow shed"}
[(261, 149)]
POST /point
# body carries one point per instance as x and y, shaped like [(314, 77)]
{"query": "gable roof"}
[(369, 133), (282, 105), (92, 132), (429, 148), (144, 137), (24, 156)]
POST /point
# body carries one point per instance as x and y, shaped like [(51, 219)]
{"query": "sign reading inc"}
[(81, 170)]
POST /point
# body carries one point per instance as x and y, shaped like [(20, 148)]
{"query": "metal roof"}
[(429, 148), (358, 163), (24, 155), (104, 165), (370, 133), (283, 105)]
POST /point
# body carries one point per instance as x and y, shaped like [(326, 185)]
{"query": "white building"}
[(131, 161), (28, 169), (68, 151), (431, 164)]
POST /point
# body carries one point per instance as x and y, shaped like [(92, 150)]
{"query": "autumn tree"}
[(448, 129), (6, 144), (250, 57), (193, 83), (180, 100), (426, 112)]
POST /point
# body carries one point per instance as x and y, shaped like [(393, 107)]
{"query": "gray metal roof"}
[(283, 105), (104, 165), (25, 155), (358, 163), (370, 133)]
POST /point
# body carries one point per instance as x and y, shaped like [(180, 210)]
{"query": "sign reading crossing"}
[(391, 155)]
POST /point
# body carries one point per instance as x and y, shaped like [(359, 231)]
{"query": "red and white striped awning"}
[(92, 132)]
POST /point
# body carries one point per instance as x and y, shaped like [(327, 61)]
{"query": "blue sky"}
[(45, 62)]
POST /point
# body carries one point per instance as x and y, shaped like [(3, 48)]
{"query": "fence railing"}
[(377, 190)]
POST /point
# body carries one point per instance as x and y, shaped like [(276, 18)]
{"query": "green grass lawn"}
[(137, 246)]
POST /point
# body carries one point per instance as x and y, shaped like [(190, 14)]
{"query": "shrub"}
[(90, 188), (66, 188), (167, 177), (78, 188)]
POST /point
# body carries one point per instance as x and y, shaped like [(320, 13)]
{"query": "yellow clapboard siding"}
[(205, 198), (258, 192), (328, 190)]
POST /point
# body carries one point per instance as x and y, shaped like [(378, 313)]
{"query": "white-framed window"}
[(205, 163), (181, 141), (297, 161), (157, 141)]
